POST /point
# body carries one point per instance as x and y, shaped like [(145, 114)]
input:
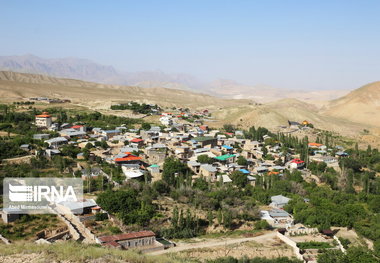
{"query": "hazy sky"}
[(285, 44)]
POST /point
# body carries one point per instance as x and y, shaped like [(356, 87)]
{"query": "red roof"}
[(128, 157), (297, 161), (43, 116), (77, 126), (315, 144), (136, 140), (126, 236), (112, 244)]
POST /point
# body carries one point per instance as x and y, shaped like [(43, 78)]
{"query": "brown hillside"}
[(361, 105), (15, 86)]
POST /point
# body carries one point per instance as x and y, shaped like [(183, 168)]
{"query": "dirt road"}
[(181, 246)]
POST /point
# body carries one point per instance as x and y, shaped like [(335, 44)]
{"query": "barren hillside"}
[(361, 105), (15, 86), (274, 114)]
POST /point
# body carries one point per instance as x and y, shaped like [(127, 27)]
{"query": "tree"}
[(262, 225), (239, 179), (242, 161), (146, 126), (172, 168), (203, 158), (161, 187), (201, 184)]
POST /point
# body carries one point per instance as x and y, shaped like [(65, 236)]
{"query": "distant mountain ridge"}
[(83, 69), (86, 70)]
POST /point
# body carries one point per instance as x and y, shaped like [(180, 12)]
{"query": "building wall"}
[(138, 242), (43, 122)]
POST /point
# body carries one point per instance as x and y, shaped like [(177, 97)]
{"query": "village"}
[(216, 156)]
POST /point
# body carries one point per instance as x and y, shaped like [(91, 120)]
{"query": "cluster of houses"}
[(49, 100), (139, 152), (143, 152)]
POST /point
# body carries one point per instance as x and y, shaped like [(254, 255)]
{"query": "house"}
[(41, 136), (52, 152), (79, 207), (127, 158), (296, 164), (139, 240), (91, 173), (10, 215), (56, 142), (132, 172), (277, 218), (279, 201), (110, 133), (25, 147), (226, 158), (341, 154), (209, 141), (151, 134), (79, 128), (294, 125), (156, 153), (72, 133), (166, 120), (137, 142), (315, 145), (194, 166), (208, 171), (326, 159), (228, 148), (43, 120), (182, 152), (154, 170), (225, 178)]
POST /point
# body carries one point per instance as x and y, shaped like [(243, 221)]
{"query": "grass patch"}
[(314, 245), (28, 226), (76, 252)]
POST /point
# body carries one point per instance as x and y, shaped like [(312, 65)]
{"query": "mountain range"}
[(87, 70)]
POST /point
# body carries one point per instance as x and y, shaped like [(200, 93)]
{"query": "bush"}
[(101, 216), (262, 224)]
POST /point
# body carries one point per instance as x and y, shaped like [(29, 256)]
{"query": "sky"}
[(332, 44)]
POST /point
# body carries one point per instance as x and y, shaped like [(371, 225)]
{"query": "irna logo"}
[(37, 193)]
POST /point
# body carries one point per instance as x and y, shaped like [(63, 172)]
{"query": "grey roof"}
[(251, 178), (41, 136), (111, 131), (74, 206), (209, 167), (193, 163), (278, 213), (280, 199), (261, 169), (158, 145), (56, 139), (129, 149)]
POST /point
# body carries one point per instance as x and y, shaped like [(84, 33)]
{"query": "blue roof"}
[(227, 147), (244, 171)]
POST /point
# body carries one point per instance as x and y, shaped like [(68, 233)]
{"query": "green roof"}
[(224, 157), (204, 138)]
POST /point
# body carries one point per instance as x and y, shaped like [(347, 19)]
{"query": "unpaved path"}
[(181, 246)]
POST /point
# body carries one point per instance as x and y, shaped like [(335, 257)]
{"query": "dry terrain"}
[(267, 245), (354, 115), (16, 86)]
